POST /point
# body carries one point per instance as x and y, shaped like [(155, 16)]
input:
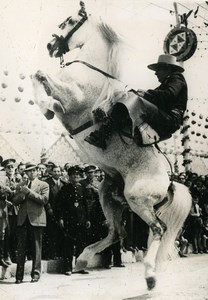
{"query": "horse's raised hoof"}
[(80, 265), (151, 282)]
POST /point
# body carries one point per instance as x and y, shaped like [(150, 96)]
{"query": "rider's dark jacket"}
[(171, 96)]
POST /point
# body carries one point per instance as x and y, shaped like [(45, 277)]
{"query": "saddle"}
[(128, 113)]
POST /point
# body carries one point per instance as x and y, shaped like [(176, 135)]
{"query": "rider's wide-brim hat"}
[(165, 60)]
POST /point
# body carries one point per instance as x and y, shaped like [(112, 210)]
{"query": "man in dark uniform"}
[(155, 115), (96, 216), (72, 215), (52, 242)]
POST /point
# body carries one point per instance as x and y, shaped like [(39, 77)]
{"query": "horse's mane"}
[(115, 42), (116, 45)]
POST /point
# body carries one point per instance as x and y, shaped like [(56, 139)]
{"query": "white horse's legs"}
[(113, 212), (141, 202)]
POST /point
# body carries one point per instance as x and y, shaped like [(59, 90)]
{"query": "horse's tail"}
[(173, 214)]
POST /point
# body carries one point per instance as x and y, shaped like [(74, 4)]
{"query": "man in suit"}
[(32, 199), (53, 234)]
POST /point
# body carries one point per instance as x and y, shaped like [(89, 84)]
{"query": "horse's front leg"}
[(142, 195), (113, 213), (48, 105)]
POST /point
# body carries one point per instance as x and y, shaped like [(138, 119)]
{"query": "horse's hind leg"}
[(113, 213), (141, 202)]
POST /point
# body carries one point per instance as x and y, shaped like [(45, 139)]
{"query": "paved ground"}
[(186, 278)]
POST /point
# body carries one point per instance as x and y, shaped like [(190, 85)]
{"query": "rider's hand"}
[(141, 93)]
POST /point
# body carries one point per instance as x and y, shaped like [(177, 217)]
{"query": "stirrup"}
[(139, 140)]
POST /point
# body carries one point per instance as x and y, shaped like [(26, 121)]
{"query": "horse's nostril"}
[(49, 46)]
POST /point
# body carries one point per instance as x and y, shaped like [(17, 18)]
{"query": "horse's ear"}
[(82, 11), (82, 4)]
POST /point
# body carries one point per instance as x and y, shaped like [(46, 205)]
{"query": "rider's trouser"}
[(144, 111)]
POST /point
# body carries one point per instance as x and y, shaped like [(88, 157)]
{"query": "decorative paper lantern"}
[(22, 76), (31, 102), (17, 99), (186, 117), (4, 85), (20, 89)]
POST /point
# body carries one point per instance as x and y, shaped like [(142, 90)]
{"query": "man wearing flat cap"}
[(32, 198), (153, 116)]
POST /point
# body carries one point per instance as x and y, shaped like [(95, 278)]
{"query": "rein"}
[(91, 67)]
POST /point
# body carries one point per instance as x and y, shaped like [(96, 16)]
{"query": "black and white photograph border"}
[(149, 29)]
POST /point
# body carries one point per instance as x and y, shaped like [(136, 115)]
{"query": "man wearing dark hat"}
[(49, 167), (72, 215), (31, 199), (155, 115)]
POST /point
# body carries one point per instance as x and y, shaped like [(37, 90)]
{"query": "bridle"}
[(61, 42)]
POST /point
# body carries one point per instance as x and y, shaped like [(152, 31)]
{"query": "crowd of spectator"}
[(50, 212), (195, 229), (65, 215)]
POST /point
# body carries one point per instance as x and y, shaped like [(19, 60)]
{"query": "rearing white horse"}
[(138, 174)]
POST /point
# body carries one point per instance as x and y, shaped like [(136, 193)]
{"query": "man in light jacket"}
[(31, 220)]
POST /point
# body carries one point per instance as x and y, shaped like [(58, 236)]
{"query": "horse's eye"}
[(72, 21)]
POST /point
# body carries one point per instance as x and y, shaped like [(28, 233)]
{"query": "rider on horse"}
[(154, 114)]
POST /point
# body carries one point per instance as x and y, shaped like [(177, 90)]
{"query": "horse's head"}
[(59, 44)]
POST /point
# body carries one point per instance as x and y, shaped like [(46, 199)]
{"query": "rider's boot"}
[(145, 135), (99, 137)]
